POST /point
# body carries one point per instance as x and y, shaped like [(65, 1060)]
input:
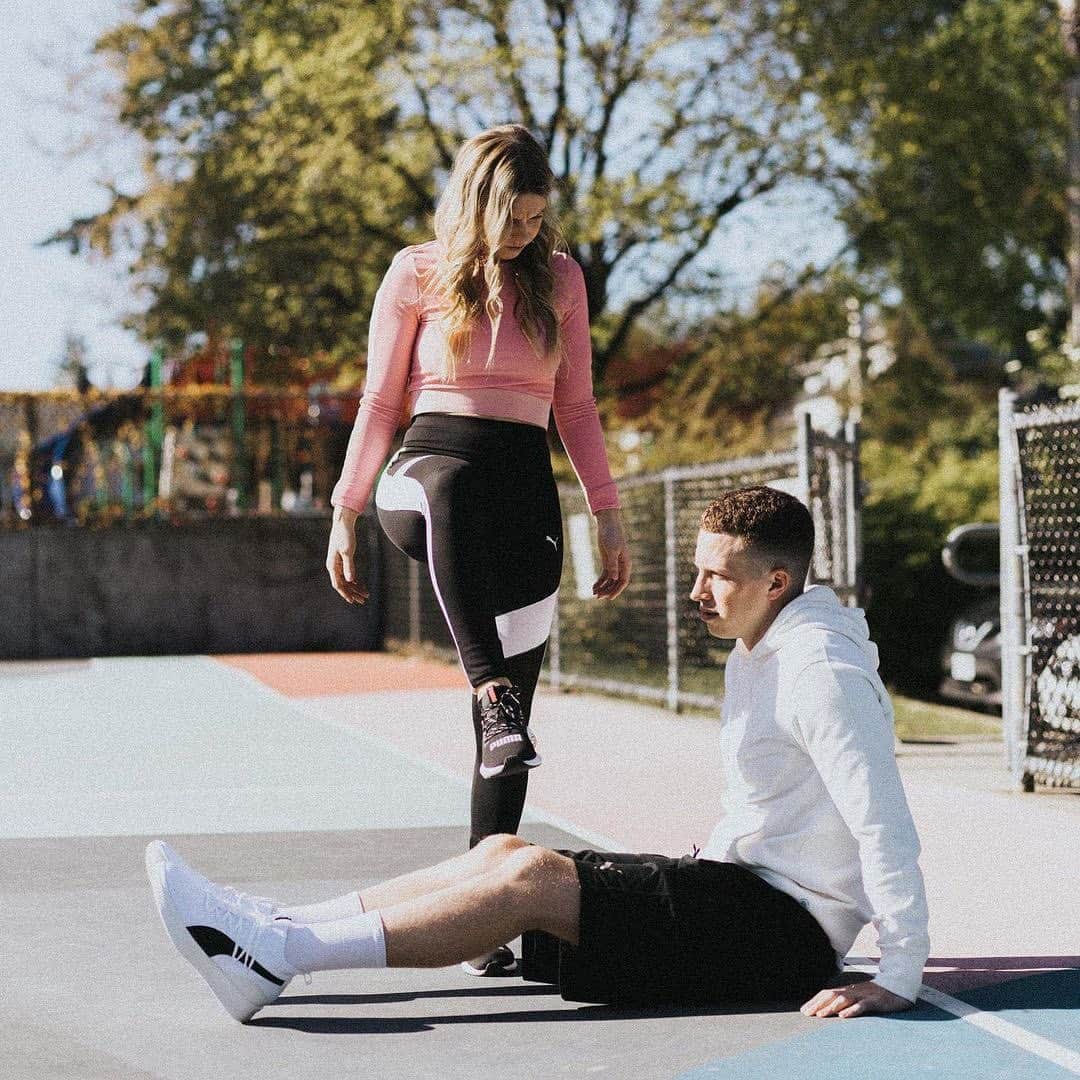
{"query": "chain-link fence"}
[(646, 644), (1040, 592)]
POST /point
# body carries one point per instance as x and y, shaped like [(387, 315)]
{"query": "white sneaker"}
[(237, 950), (160, 852)]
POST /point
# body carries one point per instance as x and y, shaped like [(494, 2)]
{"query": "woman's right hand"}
[(341, 556)]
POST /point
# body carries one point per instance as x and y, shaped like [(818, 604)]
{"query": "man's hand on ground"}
[(858, 999)]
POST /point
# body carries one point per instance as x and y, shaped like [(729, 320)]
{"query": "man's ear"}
[(779, 583)]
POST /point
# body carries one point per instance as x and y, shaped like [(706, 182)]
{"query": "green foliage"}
[(274, 193), (729, 393), (954, 113), (929, 462), (1057, 362)]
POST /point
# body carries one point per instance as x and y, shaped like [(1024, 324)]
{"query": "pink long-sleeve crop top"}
[(406, 346)]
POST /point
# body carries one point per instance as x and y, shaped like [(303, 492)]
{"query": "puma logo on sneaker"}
[(215, 943), (507, 743)]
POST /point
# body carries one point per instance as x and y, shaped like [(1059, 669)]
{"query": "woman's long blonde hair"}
[(491, 169)]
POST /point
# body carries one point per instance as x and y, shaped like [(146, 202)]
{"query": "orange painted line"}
[(329, 674)]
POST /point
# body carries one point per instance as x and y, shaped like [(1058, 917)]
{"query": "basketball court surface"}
[(304, 776)]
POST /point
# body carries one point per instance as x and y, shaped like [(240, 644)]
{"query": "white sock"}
[(357, 942), (341, 907)]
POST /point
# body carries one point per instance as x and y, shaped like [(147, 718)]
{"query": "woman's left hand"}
[(614, 554)]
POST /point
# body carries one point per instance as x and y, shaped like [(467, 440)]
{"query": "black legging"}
[(476, 501)]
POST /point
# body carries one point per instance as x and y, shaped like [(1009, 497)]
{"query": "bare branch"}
[(708, 227), (505, 48), (623, 80), (557, 20), (414, 183), (446, 155), (809, 274)]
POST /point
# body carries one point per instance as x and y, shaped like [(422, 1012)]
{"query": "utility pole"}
[(855, 331), (1071, 33)]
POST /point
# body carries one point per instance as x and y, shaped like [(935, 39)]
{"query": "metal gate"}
[(1040, 591)]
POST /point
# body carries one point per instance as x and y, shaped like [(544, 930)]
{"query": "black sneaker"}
[(508, 743), (498, 964)]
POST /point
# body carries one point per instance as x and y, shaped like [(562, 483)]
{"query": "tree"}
[(663, 117), (71, 369), (953, 116), (727, 387), (292, 146), (930, 462), (273, 197)]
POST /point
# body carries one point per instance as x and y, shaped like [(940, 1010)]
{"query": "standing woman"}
[(486, 329)]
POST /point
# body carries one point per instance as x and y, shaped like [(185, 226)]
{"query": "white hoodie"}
[(813, 799)]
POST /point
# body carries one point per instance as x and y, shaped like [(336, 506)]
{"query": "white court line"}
[(988, 1022), (308, 707)]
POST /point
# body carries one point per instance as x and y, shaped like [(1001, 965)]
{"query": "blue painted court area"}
[(1028, 1013), (164, 746)]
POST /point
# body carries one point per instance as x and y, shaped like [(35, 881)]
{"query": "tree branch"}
[(446, 155), (504, 46), (557, 20), (623, 79), (637, 307)]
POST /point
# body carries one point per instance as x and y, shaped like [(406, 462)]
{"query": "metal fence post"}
[(841, 548), (670, 595), (240, 463), (154, 431), (1012, 592), (805, 450), (804, 453), (853, 510)]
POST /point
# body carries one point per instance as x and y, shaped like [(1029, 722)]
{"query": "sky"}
[(46, 293)]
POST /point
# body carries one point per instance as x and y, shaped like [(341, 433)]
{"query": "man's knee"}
[(541, 886), (530, 872), (496, 848)]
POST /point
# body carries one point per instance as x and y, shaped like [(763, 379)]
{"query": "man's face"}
[(736, 593)]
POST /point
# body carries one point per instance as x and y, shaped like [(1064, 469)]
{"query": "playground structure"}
[(170, 451)]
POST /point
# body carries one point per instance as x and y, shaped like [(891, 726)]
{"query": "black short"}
[(655, 929)]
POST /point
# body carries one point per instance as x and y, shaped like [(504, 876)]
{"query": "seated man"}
[(816, 840)]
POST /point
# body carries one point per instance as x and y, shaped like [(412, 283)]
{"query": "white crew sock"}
[(341, 907), (357, 942)]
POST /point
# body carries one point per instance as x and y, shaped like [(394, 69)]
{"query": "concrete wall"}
[(256, 585)]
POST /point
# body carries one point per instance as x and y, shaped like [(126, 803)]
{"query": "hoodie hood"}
[(811, 619)]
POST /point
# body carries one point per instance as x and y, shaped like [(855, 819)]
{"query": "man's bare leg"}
[(530, 888), (482, 859)]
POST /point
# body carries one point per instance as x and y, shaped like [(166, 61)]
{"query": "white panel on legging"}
[(400, 491), (527, 627)]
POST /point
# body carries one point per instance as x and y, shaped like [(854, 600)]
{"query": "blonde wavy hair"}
[(490, 170)]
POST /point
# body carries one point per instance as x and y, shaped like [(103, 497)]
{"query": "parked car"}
[(971, 656)]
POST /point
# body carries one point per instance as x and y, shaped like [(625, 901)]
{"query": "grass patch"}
[(927, 720), (915, 720)]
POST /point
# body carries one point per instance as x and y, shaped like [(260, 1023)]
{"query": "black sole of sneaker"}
[(495, 968)]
